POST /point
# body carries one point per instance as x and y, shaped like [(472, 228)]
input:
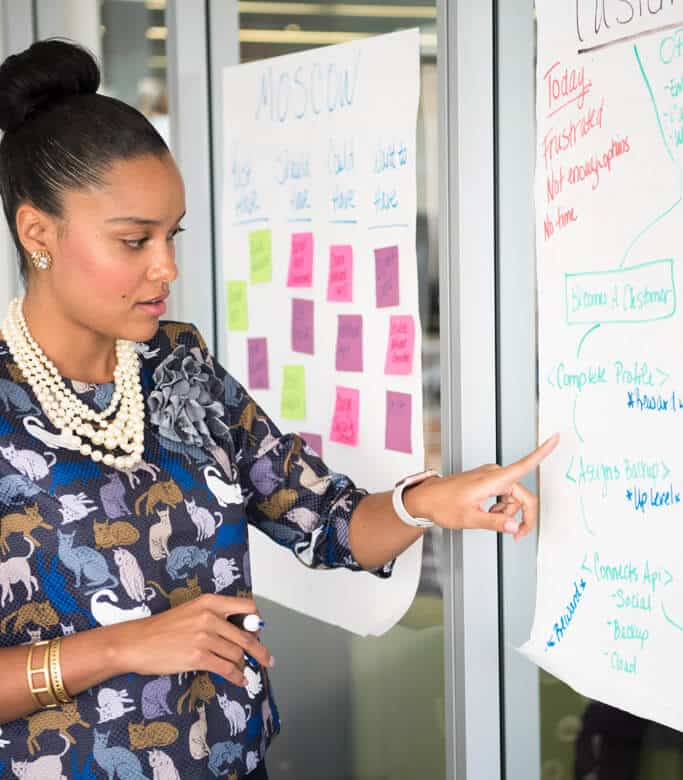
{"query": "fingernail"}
[(272, 661), (510, 527)]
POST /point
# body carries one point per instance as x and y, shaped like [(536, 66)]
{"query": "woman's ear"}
[(36, 230)]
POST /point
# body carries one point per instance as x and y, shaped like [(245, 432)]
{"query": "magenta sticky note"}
[(314, 441), (301, 261), (340, 279), (401, 346), (258, 363), (302, 326), (386, 276), (345, 419), (349, 352), (398, 422)]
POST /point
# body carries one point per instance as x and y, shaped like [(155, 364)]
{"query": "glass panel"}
[(129, 39), (367, 708)]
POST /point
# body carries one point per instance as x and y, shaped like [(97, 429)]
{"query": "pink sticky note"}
[(345, 420), (301, 261), (302, 326), (258, 363), (340, 279), (398, 423), (314, 441), (349, 354), (386, 276), (401, 346)]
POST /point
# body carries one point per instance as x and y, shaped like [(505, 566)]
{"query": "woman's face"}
[(114, 248)]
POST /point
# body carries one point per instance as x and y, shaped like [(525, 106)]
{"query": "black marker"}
[(250, 622)]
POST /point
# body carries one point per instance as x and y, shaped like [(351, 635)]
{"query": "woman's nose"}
[(164, 267)]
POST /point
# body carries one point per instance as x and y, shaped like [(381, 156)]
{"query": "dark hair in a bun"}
[(59, 133)]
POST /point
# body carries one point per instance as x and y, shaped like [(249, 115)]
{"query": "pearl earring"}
[(41, 259)]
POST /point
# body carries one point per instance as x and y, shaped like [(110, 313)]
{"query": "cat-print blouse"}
[(83, 545)]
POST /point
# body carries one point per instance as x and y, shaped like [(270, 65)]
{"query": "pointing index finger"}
[(520, 468)]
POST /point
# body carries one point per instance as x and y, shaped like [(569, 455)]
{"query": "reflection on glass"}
[(133, 56), (587, 740), (367, 708)]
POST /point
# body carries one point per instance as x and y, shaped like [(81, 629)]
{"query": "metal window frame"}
[(468, 315)]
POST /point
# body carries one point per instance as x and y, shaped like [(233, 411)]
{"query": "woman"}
[(124, 503)]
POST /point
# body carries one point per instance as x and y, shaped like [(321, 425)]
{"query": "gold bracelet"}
[(45, 671), (56, 672)]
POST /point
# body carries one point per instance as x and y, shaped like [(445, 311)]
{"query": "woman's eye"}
[(135, 243), (176, 232)]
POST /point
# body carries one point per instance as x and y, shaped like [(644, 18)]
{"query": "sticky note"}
[(345, 419), (236, 294), (302, 326), (401, 346), (386, 276), (349, 352), (398, 422), (260, 256), (300, 272), (258, 363), (314, 441), (293, 393), (340, 278)]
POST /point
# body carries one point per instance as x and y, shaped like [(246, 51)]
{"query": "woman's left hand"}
[(458, 501)]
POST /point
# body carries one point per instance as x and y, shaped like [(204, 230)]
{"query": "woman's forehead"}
[(148, 188)]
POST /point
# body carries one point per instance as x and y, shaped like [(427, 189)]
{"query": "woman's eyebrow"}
[(141, 220)]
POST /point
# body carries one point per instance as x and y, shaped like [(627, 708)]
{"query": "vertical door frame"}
[(517, 384), (468, 366), (224, 51), (17, 28), (189, 90)]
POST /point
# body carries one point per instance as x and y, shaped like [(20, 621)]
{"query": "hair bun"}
[(45, 73)]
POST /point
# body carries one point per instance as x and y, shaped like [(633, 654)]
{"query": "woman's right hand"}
[(194, 636)]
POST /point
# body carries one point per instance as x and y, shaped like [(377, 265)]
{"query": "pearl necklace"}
[(66, 411)]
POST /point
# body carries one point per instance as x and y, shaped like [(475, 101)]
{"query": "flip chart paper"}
[(609, 608), (349, 353), (260, 255), (330, 170), (236, 293), (258, 364)]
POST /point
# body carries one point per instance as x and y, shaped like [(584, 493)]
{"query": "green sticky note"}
[(236, 293), (293, 393), (260, 256)]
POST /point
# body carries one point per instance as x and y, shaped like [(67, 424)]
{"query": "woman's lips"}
[(155, 309)]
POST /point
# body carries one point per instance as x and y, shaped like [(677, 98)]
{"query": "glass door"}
[(367, 708)]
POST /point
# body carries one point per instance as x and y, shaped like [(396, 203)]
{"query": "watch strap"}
[(397, 498)]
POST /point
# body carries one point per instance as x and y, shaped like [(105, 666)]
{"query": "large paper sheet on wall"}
[(320, 277), (609, 611)]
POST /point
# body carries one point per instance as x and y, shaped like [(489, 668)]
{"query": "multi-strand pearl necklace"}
[(63, 408)]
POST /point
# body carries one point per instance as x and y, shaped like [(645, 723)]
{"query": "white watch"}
[(397, 498)]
